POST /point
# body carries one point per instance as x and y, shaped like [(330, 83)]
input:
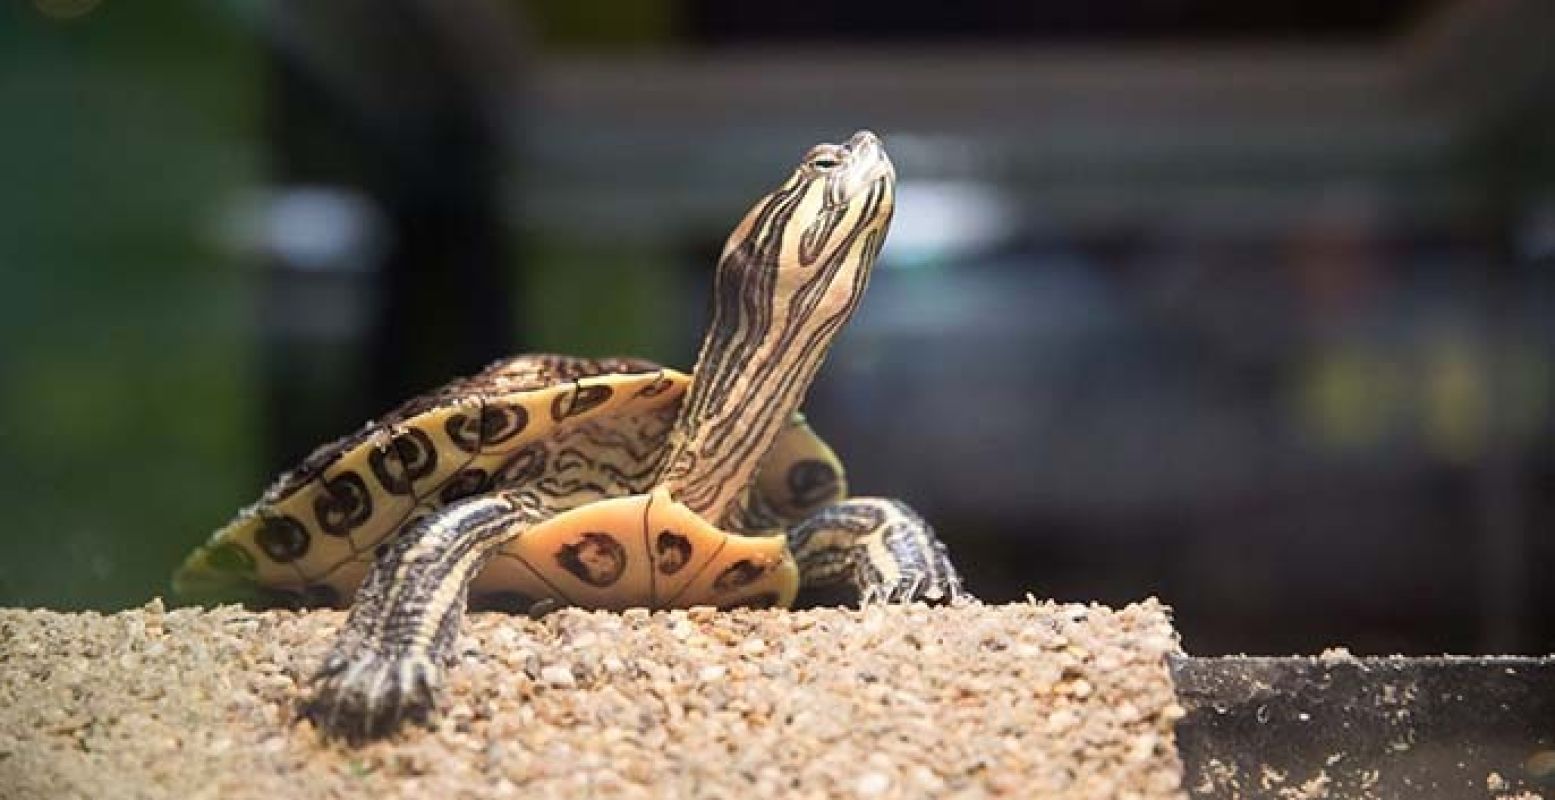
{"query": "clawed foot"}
[(365, 695), (917, 587), (935, 582)]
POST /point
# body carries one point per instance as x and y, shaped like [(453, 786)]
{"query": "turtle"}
[(607, 483)]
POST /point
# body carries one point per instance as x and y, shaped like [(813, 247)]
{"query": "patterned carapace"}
[(552, 480)]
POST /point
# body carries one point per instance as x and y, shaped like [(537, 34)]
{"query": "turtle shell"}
[(579, 431)]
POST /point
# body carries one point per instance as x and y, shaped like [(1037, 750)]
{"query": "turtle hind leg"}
[(386, 665), (869, 551)]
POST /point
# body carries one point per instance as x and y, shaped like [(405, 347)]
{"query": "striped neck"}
[(789, 278)]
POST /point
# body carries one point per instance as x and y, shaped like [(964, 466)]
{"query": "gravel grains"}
[(1025, 700)]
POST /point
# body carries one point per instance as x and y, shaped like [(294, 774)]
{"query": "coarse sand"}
[(1024, 700)]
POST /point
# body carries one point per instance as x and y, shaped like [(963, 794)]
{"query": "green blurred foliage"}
[(604, 24), (564, 311), (126, 377)]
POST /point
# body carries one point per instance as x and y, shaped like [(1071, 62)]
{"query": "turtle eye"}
[(824, 163)]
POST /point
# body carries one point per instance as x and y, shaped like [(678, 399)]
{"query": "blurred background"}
[(1250, 306)]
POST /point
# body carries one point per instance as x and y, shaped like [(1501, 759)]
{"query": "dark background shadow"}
[(1248, 306)]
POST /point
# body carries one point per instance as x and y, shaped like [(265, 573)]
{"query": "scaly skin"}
[(386, 665)]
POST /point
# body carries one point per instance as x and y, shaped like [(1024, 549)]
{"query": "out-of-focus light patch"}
[(63, 10), (1350, 398), (933, 155), (1536, 234), (1530, 393), (1456, 401), (310, 228), (941, 220)]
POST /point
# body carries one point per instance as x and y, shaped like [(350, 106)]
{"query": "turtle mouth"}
[(865, 163)]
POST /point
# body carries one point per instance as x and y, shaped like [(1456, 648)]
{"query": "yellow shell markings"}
[(798, 476), (317, 526), (621, 487), (643, 550), (616, 504), (598, 453)]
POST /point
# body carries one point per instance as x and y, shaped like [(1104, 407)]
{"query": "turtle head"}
[(815, 238), (789, 278)]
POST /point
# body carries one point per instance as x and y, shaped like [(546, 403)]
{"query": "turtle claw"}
[(905, 590), (923, 574), (940, 588), (369, 696), (892, 555)]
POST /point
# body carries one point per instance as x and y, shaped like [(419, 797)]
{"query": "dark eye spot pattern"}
[(500, 423), (464, 431), (408, 458), (282, 538), (579, 401), (493, 424), (671, 552), (467, 483), (524, 466), (659, 386), (740, 574), (597, 559), (810, 482), (343, 505), (389, 469)]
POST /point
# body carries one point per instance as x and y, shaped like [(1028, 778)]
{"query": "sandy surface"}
[(1019, 700)]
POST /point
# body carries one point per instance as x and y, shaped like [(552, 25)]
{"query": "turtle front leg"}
[(873, 550), (387, 662)]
